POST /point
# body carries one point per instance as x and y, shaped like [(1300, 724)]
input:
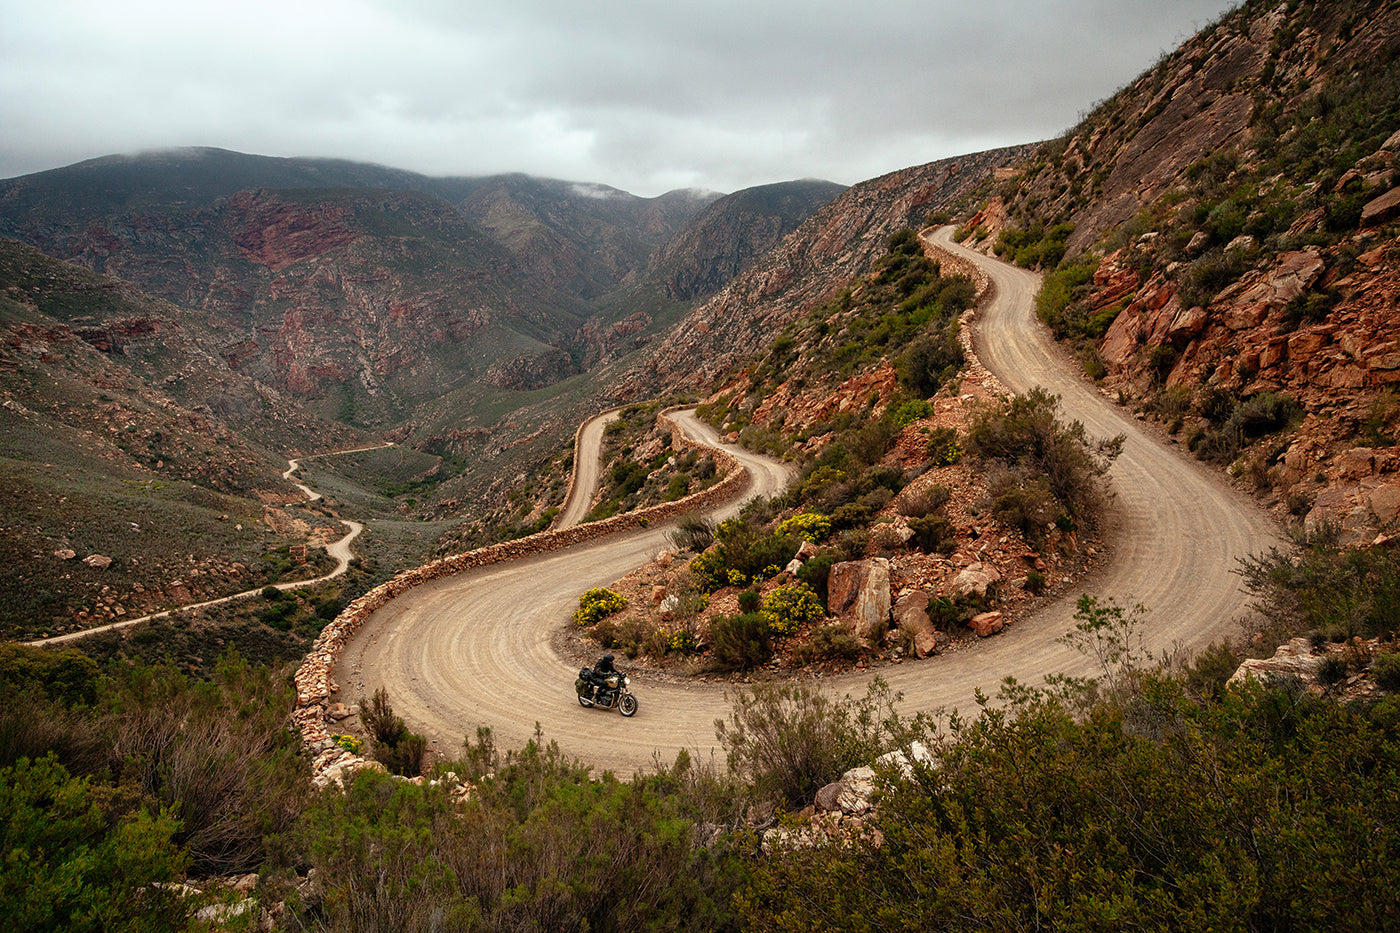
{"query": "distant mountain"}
[(586, 239), (361, 290), (733, 233)]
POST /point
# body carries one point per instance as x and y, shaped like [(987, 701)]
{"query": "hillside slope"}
[(733, 233), (1223, 235), (838, 243), (122, 436)]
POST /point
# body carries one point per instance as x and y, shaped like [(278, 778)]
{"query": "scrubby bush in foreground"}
[(540, 844), (1265, 810)]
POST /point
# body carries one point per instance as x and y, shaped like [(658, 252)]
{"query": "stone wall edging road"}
[(982, 287), (313, 682)]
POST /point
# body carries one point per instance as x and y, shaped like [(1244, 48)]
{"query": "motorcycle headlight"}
[(626, 681)]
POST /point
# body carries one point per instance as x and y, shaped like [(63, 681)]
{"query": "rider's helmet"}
[(608, 658)]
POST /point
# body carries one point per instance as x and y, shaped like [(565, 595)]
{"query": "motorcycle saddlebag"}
[(580, 685)]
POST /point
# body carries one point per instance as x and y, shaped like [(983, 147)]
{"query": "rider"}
[(601, 670)]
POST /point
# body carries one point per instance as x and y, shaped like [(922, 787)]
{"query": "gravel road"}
[(476, 649), (587, 470)]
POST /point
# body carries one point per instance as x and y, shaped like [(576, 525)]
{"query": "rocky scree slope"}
[(1222, 238)]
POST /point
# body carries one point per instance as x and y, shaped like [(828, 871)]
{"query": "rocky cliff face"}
[(1229, 222), (733, 233), (839, 243), (363, 291)]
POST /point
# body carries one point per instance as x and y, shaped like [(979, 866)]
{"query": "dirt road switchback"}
[(476, 649)]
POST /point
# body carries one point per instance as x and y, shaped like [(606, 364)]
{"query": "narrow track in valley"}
[(338, 550)]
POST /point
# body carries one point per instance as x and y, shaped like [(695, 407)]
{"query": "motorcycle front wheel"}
[(627, 704)]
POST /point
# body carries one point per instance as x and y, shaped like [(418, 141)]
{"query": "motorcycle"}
[(605, 691)]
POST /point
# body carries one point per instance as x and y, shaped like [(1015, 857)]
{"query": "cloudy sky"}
[(644, 95)]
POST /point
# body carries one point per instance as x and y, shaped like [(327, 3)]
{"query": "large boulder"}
[(858, 594), (1295, 659), (1381, 209), (911, 615), (974, 579), (986, 624)]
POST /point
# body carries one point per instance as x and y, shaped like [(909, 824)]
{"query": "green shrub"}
[(597, 604), (788, 608), (740, 642), (1033, 816), (80, 858), (377, 716), (1035, 582), (809, 526), (945, 614), (1025, 436), (401, 751), (744, 554), (541, 843), (749, 601), (816, 571), (931, 360), (911, 411), (1385, 671), (1333, 670), (1023, 504), (925, 502), (934, 534), (683, 641), (829, 643), (61, 674), (1263, 414), (217, 754), (1058, 303), (943, 447), (790, 740), (1344, 593), (405, 757)]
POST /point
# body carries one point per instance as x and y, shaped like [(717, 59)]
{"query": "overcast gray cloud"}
[(639, 94)]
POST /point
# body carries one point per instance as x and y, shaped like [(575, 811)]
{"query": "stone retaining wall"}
[(313, 678), (953, 264)]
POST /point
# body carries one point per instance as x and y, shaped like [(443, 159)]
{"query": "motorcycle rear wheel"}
[(584, 701), (627, 705)]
